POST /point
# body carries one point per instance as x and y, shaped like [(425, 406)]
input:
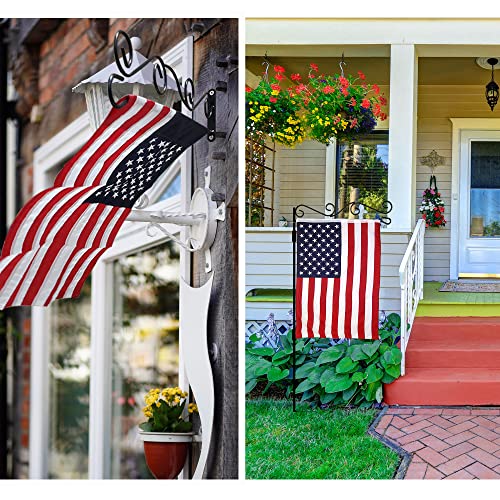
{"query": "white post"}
[(402, 135), (330, 173)]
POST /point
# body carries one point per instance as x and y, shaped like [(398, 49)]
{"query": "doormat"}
[(463, 286)]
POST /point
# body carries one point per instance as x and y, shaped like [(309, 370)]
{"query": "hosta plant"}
[(346, 373), (164, 410)]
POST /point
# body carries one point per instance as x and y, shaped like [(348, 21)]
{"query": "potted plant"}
[(166, 433), (338, 106), (270, 109)]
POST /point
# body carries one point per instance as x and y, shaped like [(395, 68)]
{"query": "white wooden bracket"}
[(201, 220)]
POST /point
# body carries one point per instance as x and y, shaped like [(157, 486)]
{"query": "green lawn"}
[(313, 444)]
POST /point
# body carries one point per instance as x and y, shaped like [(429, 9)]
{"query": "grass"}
[(313, 443)]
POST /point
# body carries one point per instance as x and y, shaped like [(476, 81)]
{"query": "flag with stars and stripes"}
[(338, 278), (58, 236)]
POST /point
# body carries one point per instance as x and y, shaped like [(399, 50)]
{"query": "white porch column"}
[(402, 135)]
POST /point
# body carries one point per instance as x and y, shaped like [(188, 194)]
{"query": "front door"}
[(479, 215)]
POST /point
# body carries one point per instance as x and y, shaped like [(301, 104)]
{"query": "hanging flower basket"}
[(166, 434), (432, 206), (272, 111), (338, 107), (320, 107)]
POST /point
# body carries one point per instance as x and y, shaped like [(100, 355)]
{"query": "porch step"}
[(445, 387), (450, 361)]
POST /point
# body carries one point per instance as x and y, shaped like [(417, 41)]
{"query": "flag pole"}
[(294, 237)]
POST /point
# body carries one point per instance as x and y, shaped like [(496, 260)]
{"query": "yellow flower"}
[(192, 408), (275, 92)]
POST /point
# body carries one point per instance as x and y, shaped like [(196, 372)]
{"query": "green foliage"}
[(347, 373), (167, 418), (313, 443), (492, 229)]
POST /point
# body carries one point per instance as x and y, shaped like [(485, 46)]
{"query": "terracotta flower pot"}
[(166, 452)]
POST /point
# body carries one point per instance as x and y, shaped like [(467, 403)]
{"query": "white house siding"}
[(301, 176), (269, 265), (436, 105)]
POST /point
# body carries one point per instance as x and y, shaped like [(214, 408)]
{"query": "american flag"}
[(58, 236), (338, 278)]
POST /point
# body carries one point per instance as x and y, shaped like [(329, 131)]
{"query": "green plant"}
[(347, 373), (273, 111), (164, 411)]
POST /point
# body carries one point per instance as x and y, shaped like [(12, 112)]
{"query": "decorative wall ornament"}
[(432, 160)]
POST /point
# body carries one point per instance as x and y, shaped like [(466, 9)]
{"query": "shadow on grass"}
[(313, 443)]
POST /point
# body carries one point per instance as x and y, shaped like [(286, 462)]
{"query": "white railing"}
[(411, 279)]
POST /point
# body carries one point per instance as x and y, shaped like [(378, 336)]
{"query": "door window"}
[(485, 189)]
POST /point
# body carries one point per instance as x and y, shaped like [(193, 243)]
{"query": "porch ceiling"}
[(431, 70)]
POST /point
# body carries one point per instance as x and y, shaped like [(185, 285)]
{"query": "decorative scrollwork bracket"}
[(124, 51)]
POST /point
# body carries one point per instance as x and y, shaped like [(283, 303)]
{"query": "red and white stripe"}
[(347, 306), (100, 156), (57, 238)]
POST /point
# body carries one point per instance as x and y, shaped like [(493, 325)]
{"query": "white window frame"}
[(130, 239)]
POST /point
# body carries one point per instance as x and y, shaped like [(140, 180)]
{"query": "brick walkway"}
[(446, 443)]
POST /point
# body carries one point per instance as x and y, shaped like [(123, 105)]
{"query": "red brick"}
[(416, 418), (484, 444), (460, 438), (428, 411), (431, 456), (384, 422), (412, 437), (442, 422), (485, 433), (456, 411), (394, 410), (461, 474), (393, 432), (456, 464), (458, 419), (481, 471), (435, 443), (485, 423), (416, 470), (25, 440), (458, 449), (398, 422), (416, 427), (413, 446), (438, 432), (464, 426), (486, 411), (484, 457), (432, 473)]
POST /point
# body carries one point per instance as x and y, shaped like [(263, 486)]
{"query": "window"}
[(362, 172), (145, 349)]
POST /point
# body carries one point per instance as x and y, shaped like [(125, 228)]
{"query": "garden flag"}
[(58, 236), (338, 278)]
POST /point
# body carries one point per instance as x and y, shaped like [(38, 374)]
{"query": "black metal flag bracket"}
[(123, 52), (355, 208)]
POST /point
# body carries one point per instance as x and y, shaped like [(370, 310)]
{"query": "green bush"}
[(350, 372)]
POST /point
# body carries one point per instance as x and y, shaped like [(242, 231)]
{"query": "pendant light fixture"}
[(492, 87)]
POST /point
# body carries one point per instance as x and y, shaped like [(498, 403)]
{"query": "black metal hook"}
[(123, 51)]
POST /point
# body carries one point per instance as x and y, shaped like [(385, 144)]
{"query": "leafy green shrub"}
[(349, 372)]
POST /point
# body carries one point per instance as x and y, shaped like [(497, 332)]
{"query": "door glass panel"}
[(485, 189), (69, 369), (145, 347)]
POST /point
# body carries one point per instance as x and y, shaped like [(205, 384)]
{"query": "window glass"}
[(145, 346), (362, 173), (485, 189), (69, 369)]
